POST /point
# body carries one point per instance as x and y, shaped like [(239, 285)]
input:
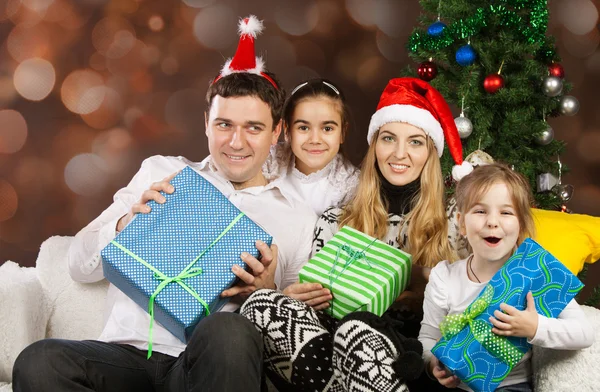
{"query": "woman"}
[(310, 163), (399, 200)]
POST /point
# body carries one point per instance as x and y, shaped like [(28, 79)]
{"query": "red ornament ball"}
[(427, 71), (555, 69), (493, 83)]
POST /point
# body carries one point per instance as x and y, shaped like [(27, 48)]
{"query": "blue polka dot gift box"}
[(175, 261), (469, 348)]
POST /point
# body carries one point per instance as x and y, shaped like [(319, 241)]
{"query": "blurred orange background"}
[(89, 88)]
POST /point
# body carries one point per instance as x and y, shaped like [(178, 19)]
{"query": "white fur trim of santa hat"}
[(260, 68), (412, 115), (459, 171), (250, 26)]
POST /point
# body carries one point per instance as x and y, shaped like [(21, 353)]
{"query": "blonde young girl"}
[(495, 216), (309, 163)]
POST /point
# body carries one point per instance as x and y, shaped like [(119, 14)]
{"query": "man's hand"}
[(514, 322), (261, 275), (151, 194), (443, 376), (312, 294)]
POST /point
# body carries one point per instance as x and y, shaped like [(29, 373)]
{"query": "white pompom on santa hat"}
[(416, 102), (245, 59)]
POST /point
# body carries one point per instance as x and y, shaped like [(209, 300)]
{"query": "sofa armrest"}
[(567, 370), (5, 387), (77, 309), (24, 313)]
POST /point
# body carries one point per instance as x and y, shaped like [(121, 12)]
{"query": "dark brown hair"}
[(242, 84), (315, 88)]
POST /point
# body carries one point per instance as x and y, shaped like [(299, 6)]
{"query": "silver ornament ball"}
[(464, 126), (569, 105), (564, 192), (545, 137), (552, 86)]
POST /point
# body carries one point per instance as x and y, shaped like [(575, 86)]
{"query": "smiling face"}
[(401, 151), (240, 133), (491, 226), (315, 133)]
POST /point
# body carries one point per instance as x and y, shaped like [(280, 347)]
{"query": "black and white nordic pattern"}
[(363, 359), (397, 234), (297, 346), (327, 226)]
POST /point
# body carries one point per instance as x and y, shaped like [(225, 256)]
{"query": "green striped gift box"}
[(362, 272)]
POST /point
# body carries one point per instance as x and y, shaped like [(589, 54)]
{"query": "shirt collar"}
[(275, 185), (205, 164)]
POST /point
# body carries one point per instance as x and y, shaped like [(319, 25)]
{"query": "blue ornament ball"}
[(465, 55), (436, 29)]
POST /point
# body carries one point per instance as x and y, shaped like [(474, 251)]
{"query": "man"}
[(225, 350)]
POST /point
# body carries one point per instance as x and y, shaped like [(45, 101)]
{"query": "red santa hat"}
[(245, 59), (416, 102)]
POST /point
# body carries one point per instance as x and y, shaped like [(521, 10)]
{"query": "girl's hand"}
[(443, 376), (312, 294), (513, 322)]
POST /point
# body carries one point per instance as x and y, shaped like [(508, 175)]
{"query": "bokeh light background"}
[(89, 88)]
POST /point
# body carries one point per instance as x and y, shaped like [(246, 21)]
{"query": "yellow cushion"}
[(574, 239)]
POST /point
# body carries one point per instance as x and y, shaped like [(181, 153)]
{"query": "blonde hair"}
[(473, 186), (427, 222)]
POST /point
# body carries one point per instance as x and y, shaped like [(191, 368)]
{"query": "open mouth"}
[(492, 240)]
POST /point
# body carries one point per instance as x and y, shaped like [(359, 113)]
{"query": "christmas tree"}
[(494, 61)]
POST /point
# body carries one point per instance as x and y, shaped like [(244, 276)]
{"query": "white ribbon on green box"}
[(363, 273)]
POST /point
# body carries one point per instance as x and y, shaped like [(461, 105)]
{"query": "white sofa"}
[(44, 302), (41, 302)]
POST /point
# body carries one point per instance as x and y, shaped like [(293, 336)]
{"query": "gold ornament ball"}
[(479, 157)]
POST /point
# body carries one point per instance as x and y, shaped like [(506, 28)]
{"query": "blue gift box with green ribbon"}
[(469, 348), (175, 261)]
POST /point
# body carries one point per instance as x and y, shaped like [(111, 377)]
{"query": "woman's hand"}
[(312, 294)]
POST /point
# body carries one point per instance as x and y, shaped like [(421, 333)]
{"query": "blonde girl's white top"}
[(332, 186), (450, 291)]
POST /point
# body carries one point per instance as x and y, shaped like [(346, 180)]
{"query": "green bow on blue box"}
[(469, 348)]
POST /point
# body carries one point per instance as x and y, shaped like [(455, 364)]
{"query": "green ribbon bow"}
[(499, 346), (354, 255), (187, 272)]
